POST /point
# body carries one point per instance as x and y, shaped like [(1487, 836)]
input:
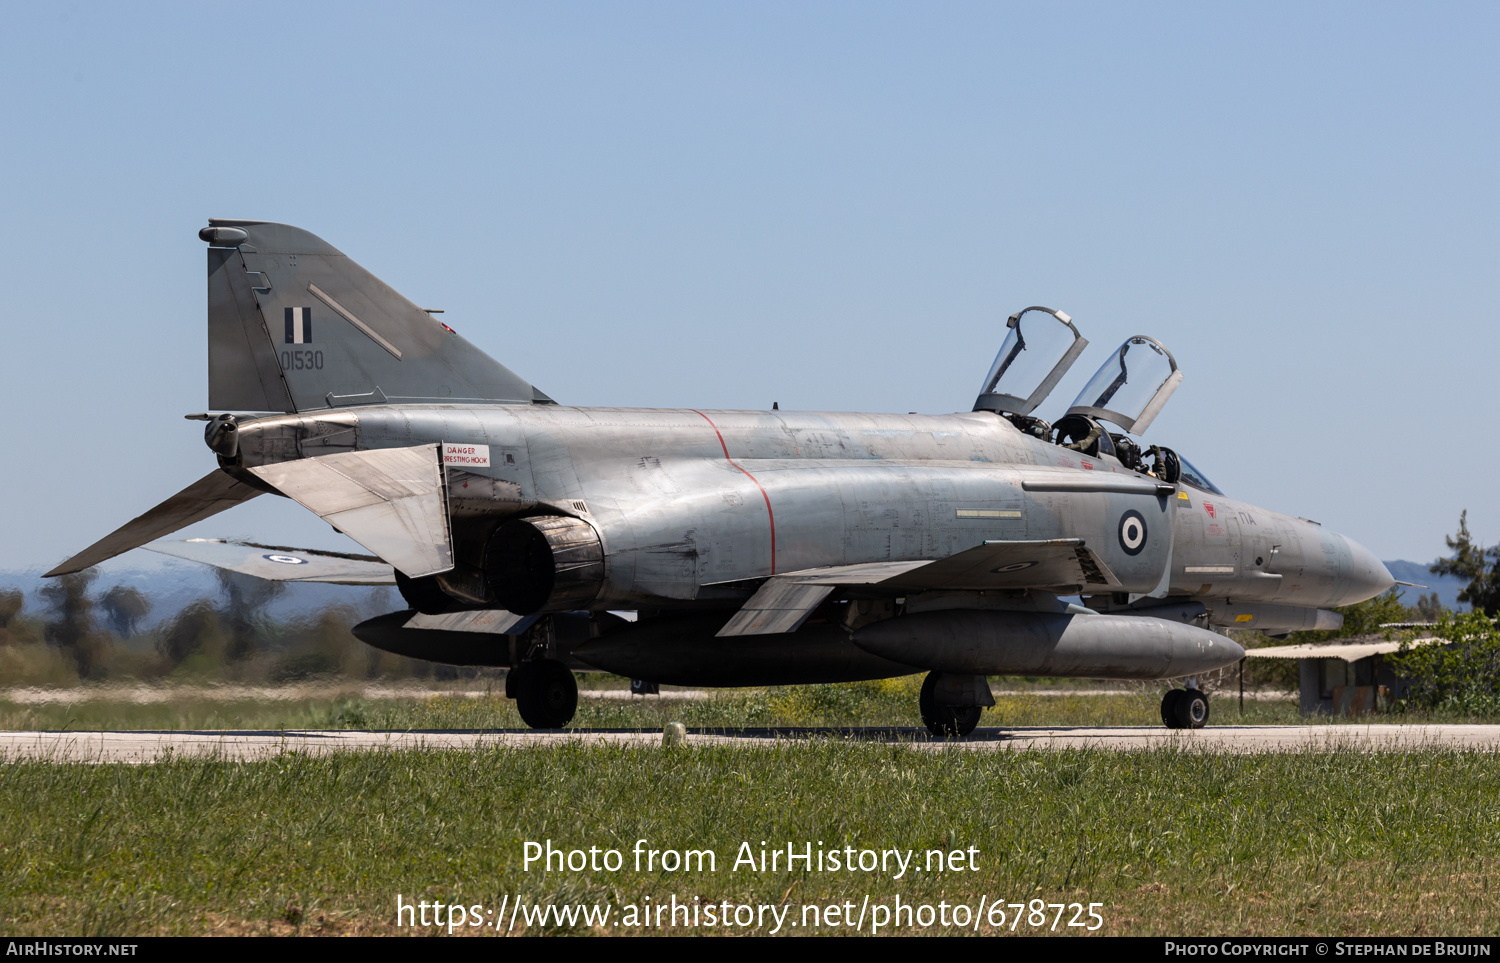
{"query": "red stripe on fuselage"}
[(770, 515)]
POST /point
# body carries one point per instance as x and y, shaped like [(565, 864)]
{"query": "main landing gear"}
[(945, 720), (545, 691), (1184, 709)]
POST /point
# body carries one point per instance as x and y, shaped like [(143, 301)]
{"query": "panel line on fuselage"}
[(770, 515)]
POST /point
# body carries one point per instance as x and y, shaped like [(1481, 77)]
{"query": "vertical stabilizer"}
[(295, 325), (243, 370)]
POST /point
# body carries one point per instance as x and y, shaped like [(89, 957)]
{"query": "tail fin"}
[(294, 325)]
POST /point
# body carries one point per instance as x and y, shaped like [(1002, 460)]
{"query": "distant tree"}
[(1472, 561), (70, 624), (243, 613), (1361, 618), (1430, 608), (124, 607), (11, 603), (1463, 675), (191, 630)]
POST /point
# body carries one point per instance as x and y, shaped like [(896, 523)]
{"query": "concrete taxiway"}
[(155, 746)]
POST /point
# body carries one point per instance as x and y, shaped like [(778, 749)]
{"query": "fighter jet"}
[(729, 548)]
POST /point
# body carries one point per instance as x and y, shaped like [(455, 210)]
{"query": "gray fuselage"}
[(695, 505)]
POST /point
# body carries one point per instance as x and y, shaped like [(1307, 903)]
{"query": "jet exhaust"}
[(544, 563)]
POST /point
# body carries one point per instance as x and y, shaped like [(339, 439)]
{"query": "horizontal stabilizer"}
[(207, 496), (389, 500), (279, 563)]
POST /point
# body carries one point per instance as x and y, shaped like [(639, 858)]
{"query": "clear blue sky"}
[(829, 205)]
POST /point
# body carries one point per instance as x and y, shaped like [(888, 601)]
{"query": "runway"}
[(156, 746)]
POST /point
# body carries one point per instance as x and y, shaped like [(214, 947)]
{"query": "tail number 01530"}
[(301, 361)]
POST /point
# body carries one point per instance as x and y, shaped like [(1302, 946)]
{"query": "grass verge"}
[(1169, 841), (890, 702)]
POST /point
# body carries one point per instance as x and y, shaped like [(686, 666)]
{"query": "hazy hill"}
[(174, 585)]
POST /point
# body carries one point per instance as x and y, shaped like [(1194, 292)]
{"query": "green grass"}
[(1170, 841), (892, 702), (887, 703)]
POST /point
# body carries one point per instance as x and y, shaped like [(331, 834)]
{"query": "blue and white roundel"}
[(1132, 532), (285, 559)]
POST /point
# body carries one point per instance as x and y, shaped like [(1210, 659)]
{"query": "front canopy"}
[(1131, 387)]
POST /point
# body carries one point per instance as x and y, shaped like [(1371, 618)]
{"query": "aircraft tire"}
[(1192, 710), (945, 721), (513, 679), (546, 694), (1169, 708)]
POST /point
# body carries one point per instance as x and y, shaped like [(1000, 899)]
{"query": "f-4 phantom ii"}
[(752, 547)]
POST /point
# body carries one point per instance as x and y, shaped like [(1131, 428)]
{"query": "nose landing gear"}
[(1184, 709)]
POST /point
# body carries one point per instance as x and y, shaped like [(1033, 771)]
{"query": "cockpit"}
[(1127, 392)]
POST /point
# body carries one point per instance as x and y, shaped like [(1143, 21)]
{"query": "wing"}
[(1063, 565), (390, 500), (207, 496), (279, 563)]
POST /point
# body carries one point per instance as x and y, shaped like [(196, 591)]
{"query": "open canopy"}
[(1039, 349), (1132, 385)]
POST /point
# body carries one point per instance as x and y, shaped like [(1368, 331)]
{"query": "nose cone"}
[(1368, 576)]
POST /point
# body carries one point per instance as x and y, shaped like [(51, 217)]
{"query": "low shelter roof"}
[(1350, 650)]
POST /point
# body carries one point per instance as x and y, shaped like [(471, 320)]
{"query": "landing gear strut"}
[(545, 691), (945, 720), (1184, 709)]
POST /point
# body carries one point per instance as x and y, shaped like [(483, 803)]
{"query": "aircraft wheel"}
[(1169, 708), (1192, 710), (513, 677), (546, 694), (941, 720)]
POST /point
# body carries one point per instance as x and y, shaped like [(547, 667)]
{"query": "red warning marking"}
[(770, 515)]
